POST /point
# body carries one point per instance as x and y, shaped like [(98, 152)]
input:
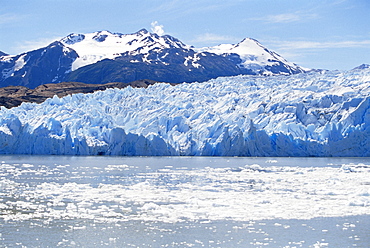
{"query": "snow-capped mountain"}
[(94, 47), (250, 54), (363, 66), (323, 113), (103, 57), (31, 69)]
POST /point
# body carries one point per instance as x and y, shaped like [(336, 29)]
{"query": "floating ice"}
[(110, 193)]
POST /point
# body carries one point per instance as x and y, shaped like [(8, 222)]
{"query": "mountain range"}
[(105, 57)]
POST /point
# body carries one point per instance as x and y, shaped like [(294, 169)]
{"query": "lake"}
[(70, 201)]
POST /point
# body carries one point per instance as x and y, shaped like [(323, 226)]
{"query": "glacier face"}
[(312, 114)]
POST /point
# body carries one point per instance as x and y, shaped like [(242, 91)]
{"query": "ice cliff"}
[(313, 114)]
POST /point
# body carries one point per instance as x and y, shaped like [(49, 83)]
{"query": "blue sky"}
[(328, 34)]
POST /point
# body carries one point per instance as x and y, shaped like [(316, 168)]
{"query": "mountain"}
[(104, 57), (363, 66), (45, 65), (251, 55), (94, 47), (324, 113)]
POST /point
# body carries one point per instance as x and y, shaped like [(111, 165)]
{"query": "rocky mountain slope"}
[(105, 57)]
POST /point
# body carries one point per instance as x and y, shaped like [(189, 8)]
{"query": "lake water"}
[(51, 201)]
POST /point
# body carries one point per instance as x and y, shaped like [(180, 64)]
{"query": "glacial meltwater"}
[(67, 201)]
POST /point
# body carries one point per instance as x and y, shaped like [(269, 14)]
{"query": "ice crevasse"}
[(324, 113)]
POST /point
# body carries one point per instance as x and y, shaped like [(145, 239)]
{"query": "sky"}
[(320, 34)]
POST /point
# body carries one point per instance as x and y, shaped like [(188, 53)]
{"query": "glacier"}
[(322, 113)]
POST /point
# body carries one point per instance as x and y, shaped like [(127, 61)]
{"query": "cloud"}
[(321, 45), (286, 18), (166, 6), (31, 45), (210, 38), (299, 51), (283, 18), (9, 18), (156, 28), (172, 9)]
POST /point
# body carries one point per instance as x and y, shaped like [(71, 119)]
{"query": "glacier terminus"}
[(322, 113)]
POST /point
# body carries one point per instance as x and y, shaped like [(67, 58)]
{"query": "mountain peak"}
[(72, 38), (97, 46), (361, 67), (142, 31), (254, 56), (104, 32), (101, 35), (248, 39)]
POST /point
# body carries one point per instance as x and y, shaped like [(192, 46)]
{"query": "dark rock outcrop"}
[(13, 96)]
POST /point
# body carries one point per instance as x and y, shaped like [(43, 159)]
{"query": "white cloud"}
[(156, 28), (286, 18), (166, 6), (283, 18), (321, 45), (210, 38), (302, 52), (31, 45), (175, 8), (9, 18)]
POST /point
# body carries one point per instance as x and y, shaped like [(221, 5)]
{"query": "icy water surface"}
[(50, 201)]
